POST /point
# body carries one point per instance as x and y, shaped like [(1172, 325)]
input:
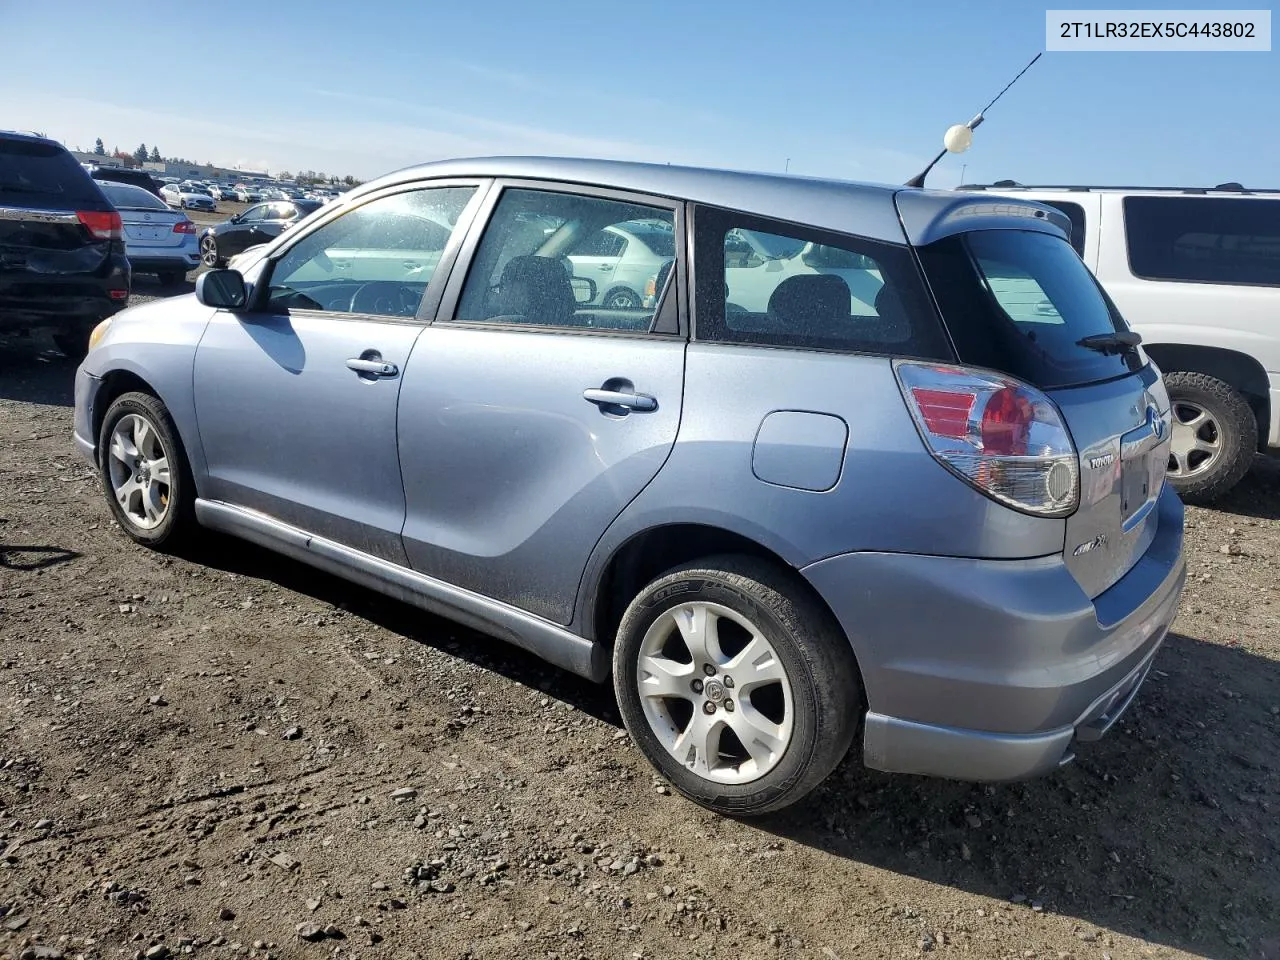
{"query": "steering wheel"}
[(386, 297)]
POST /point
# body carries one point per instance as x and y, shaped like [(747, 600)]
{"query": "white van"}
[(1196, 272)]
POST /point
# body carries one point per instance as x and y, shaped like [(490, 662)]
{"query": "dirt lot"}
[(200, 754)]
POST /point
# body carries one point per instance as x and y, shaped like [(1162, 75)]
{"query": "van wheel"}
[(145, 473), (1215, 436), (737, 684)]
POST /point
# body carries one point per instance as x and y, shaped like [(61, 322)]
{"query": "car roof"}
[(28, 137), (845, 206), (1220, 190)]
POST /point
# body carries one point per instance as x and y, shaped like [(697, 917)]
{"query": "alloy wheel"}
[(1195, 441), (139, 471), (715, 693), (209, 252)]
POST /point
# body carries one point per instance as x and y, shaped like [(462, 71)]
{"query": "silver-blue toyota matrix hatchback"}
[(858, 464)]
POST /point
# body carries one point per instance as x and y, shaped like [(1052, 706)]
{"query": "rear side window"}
[(1021, 301), (785, 285), (30, 170), (1204, 239)]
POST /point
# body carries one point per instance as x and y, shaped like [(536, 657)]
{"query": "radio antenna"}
[(958, 138)]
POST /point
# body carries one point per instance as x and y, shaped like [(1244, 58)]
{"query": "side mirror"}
[(584, 289), (222, 289)]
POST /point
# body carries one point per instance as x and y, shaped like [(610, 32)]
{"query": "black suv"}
[(137, 178), (62, 258)]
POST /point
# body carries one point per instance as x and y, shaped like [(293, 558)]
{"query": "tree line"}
[(144, 154)]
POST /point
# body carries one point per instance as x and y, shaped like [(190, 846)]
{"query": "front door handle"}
[(616, 398), (372, 368)]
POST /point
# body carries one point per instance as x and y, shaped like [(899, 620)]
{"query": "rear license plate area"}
[(1135, 485)]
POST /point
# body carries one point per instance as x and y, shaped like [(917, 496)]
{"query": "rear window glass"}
[(41, 169), (124, 195), (1021, 301), (1204, 239), (785, 285)]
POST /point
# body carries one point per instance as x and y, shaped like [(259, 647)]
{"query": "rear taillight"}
[(104, 226), (184, 226), (1004, 437)]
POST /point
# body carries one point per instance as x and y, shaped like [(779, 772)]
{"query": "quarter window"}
[(378, 258), (785, 285), (548, 259), (1204, 239)]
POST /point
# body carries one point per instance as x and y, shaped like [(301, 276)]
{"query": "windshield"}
[(1022, 301), (128, 197)]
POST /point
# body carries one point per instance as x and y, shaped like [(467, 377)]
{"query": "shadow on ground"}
[(26, 559), (1183, 791)]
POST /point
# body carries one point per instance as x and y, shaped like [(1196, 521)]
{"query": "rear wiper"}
[(1121, 341)]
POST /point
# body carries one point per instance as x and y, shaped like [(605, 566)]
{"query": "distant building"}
[(201, 171), (97, 159)]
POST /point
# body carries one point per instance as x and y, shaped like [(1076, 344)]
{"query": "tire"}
[(209, 253), (175, 496), (1215, 436), (813, 727), (74, 343), (622, 299)]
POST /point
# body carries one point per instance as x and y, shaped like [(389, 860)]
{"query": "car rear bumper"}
[(155, 261), (988, 670)]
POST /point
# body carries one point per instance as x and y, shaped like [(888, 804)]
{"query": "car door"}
[(296, 396), (281, 215), (239, 234), (528, 421)]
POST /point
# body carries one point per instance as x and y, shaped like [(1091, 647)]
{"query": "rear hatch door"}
[(42, 237), (1018, 299)]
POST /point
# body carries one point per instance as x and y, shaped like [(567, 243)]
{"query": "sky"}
[(860, 90)]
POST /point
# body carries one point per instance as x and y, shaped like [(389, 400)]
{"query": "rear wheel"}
[(622, 299), (145, 473), (209, 252), (1214, 436), (737, 684)]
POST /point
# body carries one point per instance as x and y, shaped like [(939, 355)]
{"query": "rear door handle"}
[(615, 398), (373, 368)]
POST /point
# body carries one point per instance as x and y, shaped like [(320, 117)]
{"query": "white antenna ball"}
[(957, 139)]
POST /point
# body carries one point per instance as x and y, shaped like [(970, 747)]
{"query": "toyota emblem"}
[(1156, 421)]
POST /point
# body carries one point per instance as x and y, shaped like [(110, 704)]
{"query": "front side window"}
[(1204, 239), (785, 285), (254, 214), (378, 258), (544, 260)]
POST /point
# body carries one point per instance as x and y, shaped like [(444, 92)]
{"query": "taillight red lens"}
[(184, 226), (1006, 423), (104, 226), (945, 412)]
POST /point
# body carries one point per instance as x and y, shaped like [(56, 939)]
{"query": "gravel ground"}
[(227, 754)]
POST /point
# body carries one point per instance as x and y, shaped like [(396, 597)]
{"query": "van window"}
[(1021, 301), (784, 285), (1204, 239), (1075, 213)]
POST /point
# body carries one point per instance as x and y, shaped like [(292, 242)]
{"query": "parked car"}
[(220, 191), (620, 259), (919, 522), (247, 194), (186, 198), (137, 178), (157, 240), (62, 256), (258, 224), (1196, 273)]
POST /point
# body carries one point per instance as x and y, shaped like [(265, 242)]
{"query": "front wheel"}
[(1214, 436), (209, 252), (144, 472), (737, 684)]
